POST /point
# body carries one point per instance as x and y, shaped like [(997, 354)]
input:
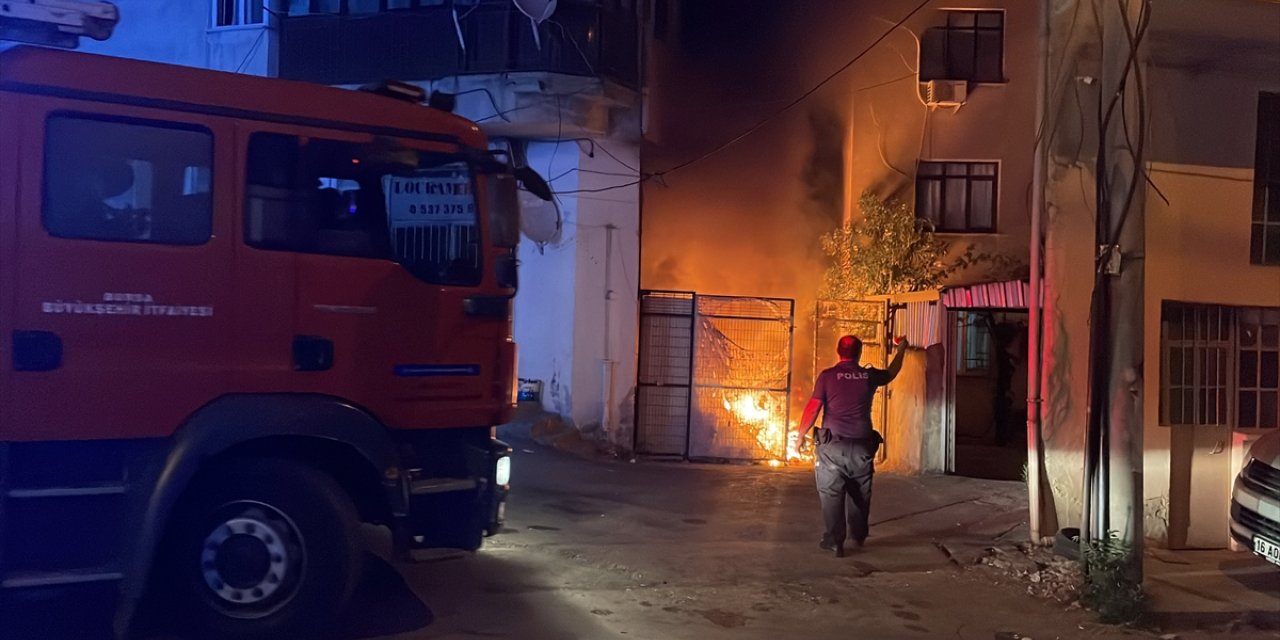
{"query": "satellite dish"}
[(539, 219), (537, 11)]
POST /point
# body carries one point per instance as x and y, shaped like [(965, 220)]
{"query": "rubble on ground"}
[(1046, 575)]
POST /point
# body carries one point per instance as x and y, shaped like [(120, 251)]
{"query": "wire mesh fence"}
[(714, 376), (742, 378)]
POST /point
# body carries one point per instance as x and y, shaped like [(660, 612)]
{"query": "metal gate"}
[(714, 376), (836, 318), (664, 372)]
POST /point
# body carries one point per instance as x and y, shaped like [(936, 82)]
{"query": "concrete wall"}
[(606, 313), (180, 33), (913, 435), (1206, 63)]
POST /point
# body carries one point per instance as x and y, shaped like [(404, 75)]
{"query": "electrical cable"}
[(468, 11), (1135, 34), (497, 111), (595, 145), (503, 114), (757, 126), (252, 50), (564, 32), (832, 76), (555, 148), (1062, 81)]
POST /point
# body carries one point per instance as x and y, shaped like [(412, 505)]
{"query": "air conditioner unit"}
[(945, 93)]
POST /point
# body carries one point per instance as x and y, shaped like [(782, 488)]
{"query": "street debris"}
[(1047, 576)]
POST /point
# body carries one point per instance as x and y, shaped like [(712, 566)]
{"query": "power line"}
[(790, 105), (757, 126), (252, 50), (497, 111)]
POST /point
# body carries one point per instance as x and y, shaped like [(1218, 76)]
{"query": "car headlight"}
[(502, 471)]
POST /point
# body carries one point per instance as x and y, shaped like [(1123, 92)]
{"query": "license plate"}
[(1268, 549)]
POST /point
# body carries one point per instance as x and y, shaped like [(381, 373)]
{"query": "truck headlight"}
[(502, 471)]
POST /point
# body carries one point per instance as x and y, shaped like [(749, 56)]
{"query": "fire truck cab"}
[(240, 316)]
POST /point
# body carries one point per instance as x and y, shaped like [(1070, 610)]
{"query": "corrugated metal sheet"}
[(988, 295), (920, 322)]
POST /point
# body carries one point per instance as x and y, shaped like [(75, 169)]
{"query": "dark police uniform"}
[(846, 448)]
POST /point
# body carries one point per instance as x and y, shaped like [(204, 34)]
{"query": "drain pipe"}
[(1035, 320), (607, 364)]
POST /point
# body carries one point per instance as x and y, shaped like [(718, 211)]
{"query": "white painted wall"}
[(180, 33), (544, 307), (608, 236), (575, 327)]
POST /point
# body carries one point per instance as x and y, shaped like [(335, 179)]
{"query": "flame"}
[(764, 417)]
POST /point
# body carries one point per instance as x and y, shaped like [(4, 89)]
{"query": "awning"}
[(1012, 294)]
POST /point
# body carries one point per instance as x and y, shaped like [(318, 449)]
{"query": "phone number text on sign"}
[(444, 197), (441, 209)]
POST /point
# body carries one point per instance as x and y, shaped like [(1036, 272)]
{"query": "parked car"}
[(1255, 502)]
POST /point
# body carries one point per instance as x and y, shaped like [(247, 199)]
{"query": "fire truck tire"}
[(265, 548)]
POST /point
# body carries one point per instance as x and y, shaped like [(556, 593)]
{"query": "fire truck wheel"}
[(264, 549)]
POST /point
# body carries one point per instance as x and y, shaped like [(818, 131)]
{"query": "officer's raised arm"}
[(895, 367)]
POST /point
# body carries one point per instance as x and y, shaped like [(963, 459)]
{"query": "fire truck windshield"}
[(338, 197)]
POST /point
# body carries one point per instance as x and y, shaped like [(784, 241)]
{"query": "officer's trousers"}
[(844, 471)]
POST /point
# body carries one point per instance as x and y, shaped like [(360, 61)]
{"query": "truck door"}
[(366, 328), (122, 289)]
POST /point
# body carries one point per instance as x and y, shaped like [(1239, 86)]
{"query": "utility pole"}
[(1035, 310), (1114, 453)]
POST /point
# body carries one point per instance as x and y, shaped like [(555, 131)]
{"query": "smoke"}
[(748, 218)]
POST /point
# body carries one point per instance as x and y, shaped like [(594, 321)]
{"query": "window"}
[(324, 196), (957, 197), (1264, 246), (362, 7), (231, 13), (1197, 341), (127, 181), (1259, 368), (973, 353), (969, 47), (1220, 366)]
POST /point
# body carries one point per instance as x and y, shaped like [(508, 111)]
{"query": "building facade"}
[(938, 115), (1210, 72)]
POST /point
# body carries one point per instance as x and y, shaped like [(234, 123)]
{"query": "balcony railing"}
[(332, 43)]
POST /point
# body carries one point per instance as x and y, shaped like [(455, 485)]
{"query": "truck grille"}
[(1255, 522), (1262, 478)]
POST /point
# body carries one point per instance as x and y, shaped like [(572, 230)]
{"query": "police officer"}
[(847, 443)]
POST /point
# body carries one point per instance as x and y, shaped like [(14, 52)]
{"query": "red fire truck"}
[(243, 316)]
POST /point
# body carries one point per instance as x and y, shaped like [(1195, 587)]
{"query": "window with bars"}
[(1258, 385), (958, 197), (970, 46), (1264, 246), (1220, 366)]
